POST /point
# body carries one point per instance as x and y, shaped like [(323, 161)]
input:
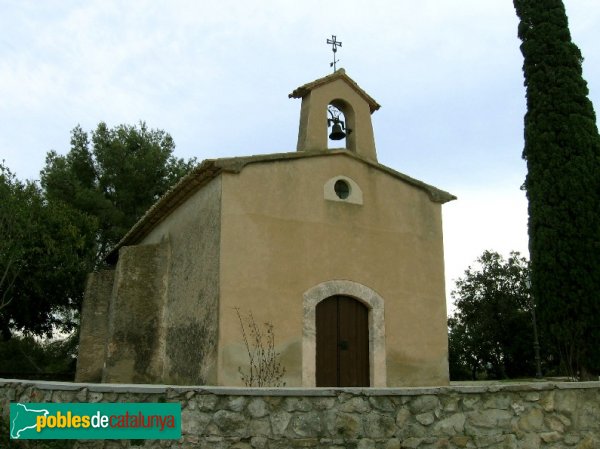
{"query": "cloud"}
[(216, 74)]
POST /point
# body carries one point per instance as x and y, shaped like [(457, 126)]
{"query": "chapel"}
[(341, 254)]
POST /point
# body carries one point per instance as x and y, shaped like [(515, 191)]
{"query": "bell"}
[(336, 132)]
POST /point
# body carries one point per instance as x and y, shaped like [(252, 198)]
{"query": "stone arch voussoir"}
[(375, 304)]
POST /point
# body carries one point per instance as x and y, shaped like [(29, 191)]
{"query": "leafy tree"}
[(491, 330), (43, 258), (32, 358), (50, 238), (562, 150), (115, 177), (12, 200), (464, 359)]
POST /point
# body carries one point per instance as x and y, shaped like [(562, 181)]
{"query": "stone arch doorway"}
[(375, 305), (342, 358)]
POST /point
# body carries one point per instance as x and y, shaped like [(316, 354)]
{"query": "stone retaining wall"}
[(527, 416)]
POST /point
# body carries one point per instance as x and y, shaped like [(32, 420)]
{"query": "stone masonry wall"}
[(510, 416), (94, 330)]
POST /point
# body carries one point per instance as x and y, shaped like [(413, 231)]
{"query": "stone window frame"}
[(355, 195), (367, 296)]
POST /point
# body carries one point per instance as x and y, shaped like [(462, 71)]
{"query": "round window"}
[(342, 189)]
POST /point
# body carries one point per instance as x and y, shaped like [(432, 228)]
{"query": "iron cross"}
[(334, 45)]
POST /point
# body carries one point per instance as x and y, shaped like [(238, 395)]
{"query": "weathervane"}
[(334, 45)]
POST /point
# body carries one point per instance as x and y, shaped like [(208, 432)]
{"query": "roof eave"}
[(211, 168), (302, 91)]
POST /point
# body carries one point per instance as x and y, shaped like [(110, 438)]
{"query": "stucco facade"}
[(271, 235)]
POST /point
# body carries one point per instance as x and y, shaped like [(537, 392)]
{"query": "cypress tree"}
[(562, 150)]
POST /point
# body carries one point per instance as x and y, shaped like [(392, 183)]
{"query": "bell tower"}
[(341, 92)]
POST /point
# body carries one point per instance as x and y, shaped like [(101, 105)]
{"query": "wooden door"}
[(342, 343)]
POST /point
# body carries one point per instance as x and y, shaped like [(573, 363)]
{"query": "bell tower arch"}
[(340, 91)]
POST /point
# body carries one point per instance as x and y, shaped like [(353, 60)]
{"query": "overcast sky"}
[(216, 76)]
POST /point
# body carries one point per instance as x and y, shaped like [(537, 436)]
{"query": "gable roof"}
[(301, 91), (209, 169)]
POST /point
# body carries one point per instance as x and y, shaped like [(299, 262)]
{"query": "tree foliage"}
[(562, 150), (51, 237), (114, 176), (44, 251), (28, 358), (31, 358), (491, 330)]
